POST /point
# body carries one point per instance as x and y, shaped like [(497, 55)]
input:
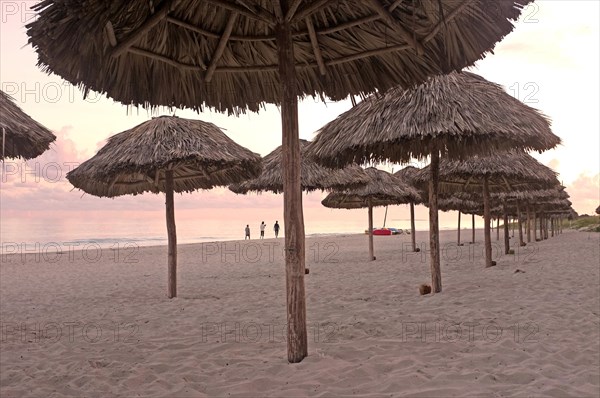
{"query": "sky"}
[(550, 61)]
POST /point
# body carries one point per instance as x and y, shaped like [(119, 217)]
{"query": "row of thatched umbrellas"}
[(235, 56), (454, 116)]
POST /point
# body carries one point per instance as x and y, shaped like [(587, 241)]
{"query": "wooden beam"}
[(508, 187), (214, 35), (387, 16), (220, 47), (468, 181), (167, 60), (315, 46), (261, 12), (266, 68), (292, 10), (349, 24), (110, 33), (308, 10), (258, 14), (447, 19), (165, 7), (258, 38), (278, 10)]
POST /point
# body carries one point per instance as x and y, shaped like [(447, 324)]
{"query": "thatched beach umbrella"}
[(530, 199), (383, 189), (20, 135), (502, 171), (406, 174), (235, 55), (464, 204), (313, 176), (166, 154), (451, 116)]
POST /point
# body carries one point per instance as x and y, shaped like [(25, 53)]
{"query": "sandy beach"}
[(97, 323)]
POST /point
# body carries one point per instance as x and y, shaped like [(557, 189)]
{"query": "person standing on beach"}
[(276, 228), (247, 232), (262, 230)]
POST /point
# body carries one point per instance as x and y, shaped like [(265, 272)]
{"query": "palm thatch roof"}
[(407, 174), (224, 54), (459, 114), (134, 161), (382, 189), (313, 175), (506, 171), (531, 196), (25, 138)]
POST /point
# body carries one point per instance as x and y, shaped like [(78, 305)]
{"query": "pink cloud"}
[(585, 193)]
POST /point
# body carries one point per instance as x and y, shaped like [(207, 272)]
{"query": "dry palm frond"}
[(223, 53), (25, 138), (313, 175), (382, 189), (506, 171), (460, 114), (134, 161)]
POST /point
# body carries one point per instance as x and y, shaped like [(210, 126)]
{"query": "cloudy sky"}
[(550, 61)]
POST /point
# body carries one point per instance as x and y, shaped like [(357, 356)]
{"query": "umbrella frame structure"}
[(103, 172)]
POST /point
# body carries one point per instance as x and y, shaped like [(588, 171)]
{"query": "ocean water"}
[(51, 232)]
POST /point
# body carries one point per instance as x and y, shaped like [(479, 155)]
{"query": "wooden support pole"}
[(412, 227), (473, 228), (434, 238), (371, 250), (171, 236), (297, 338), (512, 224), (506, 231), (519, 221), (541, 226), (458, 234), (486, 222), (498, 228), (534, 224), (528, 224)]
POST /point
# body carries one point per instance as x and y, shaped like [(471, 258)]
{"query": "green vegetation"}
[(587, 223)]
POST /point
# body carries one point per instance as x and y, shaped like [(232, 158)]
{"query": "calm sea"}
[(108, 230)]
